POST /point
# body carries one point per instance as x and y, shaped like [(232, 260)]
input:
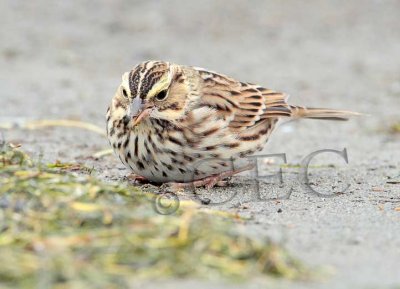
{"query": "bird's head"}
[(152, 89)]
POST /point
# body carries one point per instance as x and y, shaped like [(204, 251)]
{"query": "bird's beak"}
[(139, 110)]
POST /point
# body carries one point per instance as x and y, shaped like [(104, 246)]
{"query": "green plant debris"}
[(395, 128), (63, 230)]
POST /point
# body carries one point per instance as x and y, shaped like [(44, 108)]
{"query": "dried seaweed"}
[(63, 229), (43, 123)]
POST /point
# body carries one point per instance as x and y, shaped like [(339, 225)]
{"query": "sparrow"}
[(188, 126)]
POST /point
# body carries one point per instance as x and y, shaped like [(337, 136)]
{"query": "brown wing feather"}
[(244, 105)]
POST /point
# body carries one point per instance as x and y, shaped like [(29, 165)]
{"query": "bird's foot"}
[(208, 182), (137, 179)]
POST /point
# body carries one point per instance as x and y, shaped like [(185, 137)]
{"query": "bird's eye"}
[(161, 95), (124, 92)]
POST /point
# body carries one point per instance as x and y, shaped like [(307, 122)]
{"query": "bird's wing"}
[(243, 105)]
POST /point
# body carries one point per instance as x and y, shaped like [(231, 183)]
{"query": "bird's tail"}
[(320, 113)]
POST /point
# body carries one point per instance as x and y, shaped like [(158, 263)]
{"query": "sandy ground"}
[(65, 60)]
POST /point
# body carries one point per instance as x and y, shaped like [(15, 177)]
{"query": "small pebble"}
[(356, 241), (205, 201), (19, 206), (4, 203)]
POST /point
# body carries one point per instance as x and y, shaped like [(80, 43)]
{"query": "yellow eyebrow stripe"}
[(161, 85)]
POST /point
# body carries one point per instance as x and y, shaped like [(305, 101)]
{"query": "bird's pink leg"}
[(210, 181), (136, 178)]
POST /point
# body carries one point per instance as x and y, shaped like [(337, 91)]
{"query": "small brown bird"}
[(185, 125)]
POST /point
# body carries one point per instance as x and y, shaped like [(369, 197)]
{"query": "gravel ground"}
[(65, 60)]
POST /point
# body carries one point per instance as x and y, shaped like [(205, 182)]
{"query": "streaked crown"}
[(145, 75)]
